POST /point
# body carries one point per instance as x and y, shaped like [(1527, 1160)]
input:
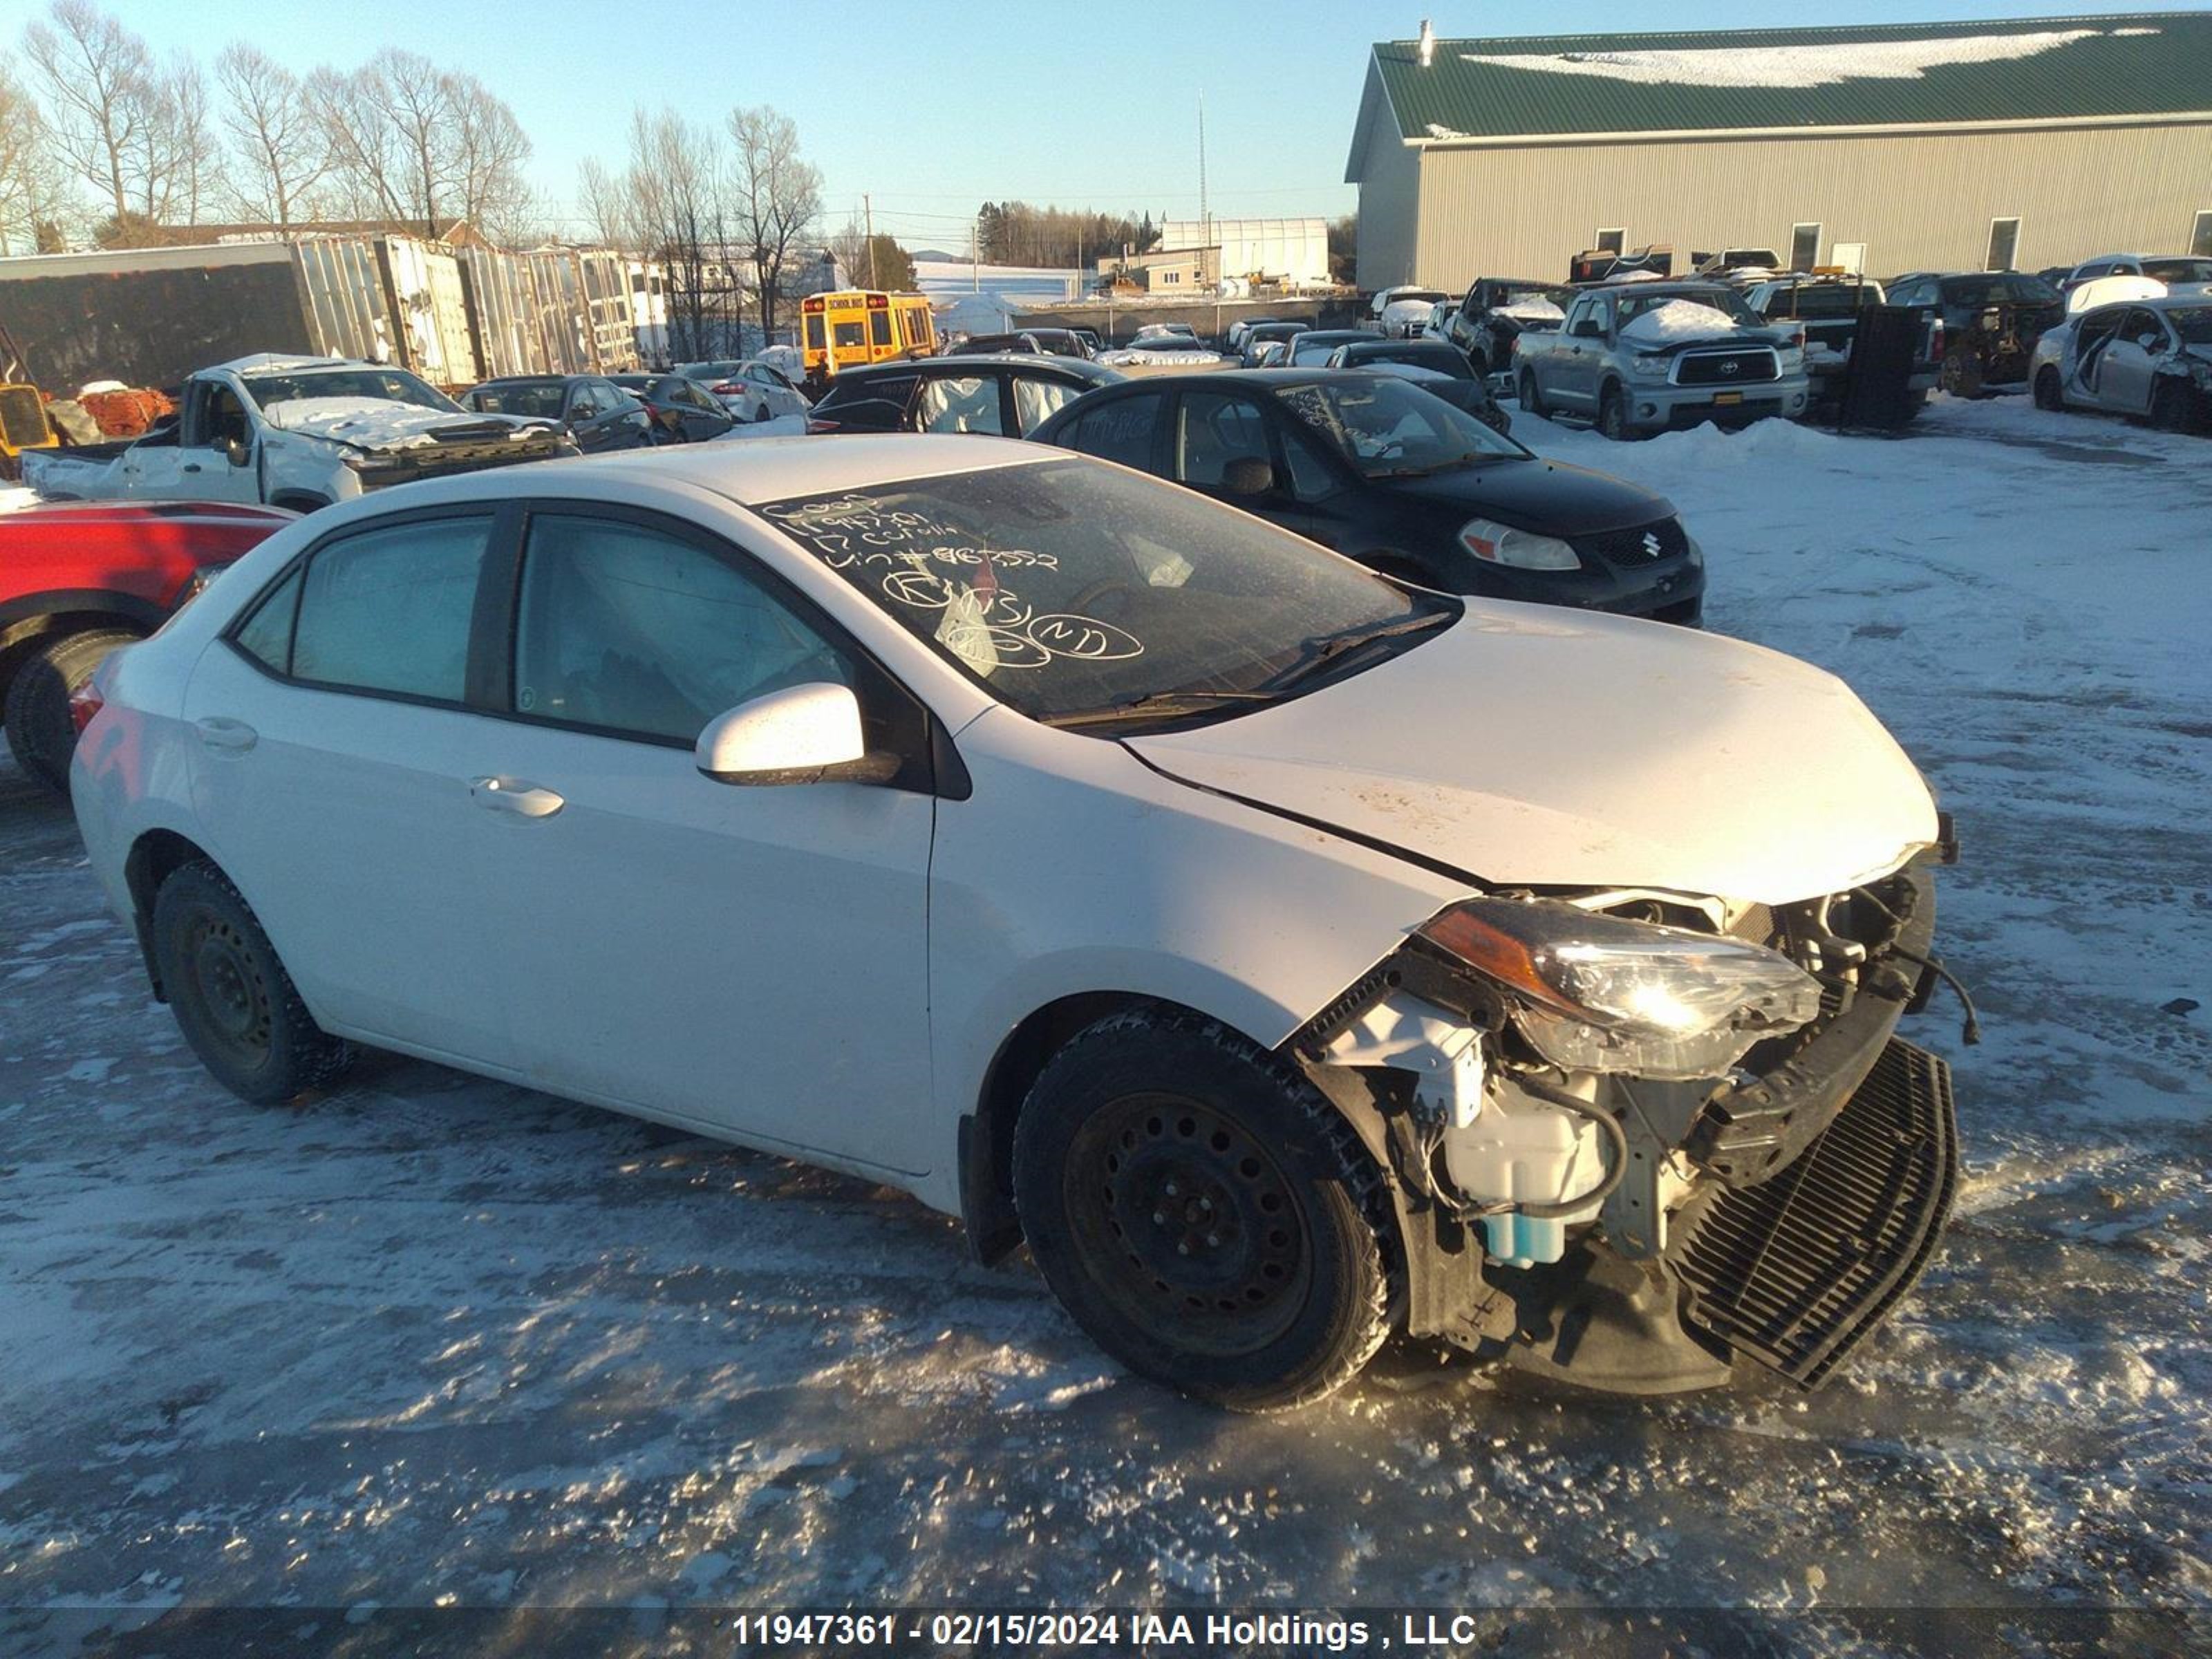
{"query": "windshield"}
[(2193, 324), (392, 385), (540, 399), (1726, 300), (1072, 590), (1390, 429), (2179, 271)]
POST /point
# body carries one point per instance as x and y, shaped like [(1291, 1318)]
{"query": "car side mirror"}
[(806, 734), (237, 451), (1247, 475)]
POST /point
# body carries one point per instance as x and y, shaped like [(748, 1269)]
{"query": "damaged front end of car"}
[(1633, 1137)]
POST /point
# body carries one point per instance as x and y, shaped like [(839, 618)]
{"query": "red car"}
[(78, 580)]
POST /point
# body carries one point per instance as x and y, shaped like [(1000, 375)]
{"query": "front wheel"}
[(40, 729), (2047, 393), (1613, 416), (2169, 406), (1203, 1212), (237, 1006)]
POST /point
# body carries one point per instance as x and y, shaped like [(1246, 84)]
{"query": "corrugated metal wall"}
[(1918, 201)]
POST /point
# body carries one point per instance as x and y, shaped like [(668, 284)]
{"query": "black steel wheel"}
[(1203, 1212), (234, 1001)]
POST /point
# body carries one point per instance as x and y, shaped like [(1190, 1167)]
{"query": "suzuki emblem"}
[(1650, 545)]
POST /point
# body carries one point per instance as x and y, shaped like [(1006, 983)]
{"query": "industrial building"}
[(2020, 143), (1292, 252)]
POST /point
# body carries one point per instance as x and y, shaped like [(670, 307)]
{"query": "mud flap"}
[(1795, 1271)]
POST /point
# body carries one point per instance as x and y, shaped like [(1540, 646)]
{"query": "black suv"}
[(1007, 395)]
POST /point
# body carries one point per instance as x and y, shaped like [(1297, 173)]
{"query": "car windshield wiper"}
[(1155, 705), (1331, 649)]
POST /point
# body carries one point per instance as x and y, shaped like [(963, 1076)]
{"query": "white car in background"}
[(2150, 358), (1097, 863), (752, 390), (1403, 313)]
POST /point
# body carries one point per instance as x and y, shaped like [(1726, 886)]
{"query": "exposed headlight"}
[(1497, 544), (1656, 367), (1594, 992)]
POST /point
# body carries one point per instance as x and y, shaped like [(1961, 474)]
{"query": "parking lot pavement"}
[(433, 1337)]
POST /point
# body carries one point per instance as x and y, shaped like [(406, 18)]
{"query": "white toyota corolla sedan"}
[(1286, 954)]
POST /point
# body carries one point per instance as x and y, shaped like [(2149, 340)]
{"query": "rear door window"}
[(388, 609), (1035, 400), (965, 403), (1213, 429)]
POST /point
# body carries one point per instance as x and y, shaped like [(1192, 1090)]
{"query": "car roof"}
[(757, 470)]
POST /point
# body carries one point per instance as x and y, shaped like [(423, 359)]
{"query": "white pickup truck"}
[(294, 432)]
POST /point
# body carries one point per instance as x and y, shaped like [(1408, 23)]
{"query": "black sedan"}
[(1006, 397), (595, 412), (685, 410), (1376, 468)]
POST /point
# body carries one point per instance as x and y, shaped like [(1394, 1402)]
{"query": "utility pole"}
[(975, 250), (868, 212), (1204, 218)]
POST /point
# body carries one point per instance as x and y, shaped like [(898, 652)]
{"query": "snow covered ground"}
[(433, 1338)]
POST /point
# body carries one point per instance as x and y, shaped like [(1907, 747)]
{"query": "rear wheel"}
[(1203, 1212), (235, 1003), (1962, 372), (1531, 403), (2047, 393), (40, 730)]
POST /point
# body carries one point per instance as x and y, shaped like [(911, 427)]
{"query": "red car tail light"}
[(816, 423), (84, 702)]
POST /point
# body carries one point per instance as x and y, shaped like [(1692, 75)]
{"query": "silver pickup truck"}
[(294, 432), (1642, 358)]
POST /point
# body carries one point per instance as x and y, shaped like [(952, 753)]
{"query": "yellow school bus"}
[(862, 325)]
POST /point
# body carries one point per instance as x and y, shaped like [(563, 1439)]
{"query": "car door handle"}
[(219, 732), (512, 795)]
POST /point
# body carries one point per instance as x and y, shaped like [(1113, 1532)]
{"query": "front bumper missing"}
[(1795, 1271)]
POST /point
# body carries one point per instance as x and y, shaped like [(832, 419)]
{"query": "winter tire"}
[(1203, 1212), (40, 730), (1613, 416), (2047, 392), (236, 1005)]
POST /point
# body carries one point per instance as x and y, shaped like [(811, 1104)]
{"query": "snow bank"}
[(1675, 322), (1822, 65)]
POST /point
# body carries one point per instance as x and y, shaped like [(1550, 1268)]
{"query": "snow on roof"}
[(1678, 320), (1819, 65), (261, 360)]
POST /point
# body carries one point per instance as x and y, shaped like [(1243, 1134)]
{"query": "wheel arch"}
[(30, 621), (154, 856), (299, 500)]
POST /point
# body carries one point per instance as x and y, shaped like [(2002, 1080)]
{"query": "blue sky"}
[(933, 108)]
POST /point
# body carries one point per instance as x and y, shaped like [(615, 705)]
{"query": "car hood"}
[(1550, 496), (377, 423), (1530, 746)]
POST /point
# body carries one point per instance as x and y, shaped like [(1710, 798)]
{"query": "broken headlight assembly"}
[(1595, 992)]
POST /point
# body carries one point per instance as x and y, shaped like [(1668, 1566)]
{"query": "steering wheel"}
[(1098, 590)]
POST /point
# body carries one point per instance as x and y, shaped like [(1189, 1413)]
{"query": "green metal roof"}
[(2055, 68)]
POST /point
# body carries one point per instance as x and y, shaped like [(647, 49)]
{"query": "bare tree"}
[(30, 192), (106, 100), (283, 151), (776, 197), (415, 144), (194, 149), (673, 205)]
